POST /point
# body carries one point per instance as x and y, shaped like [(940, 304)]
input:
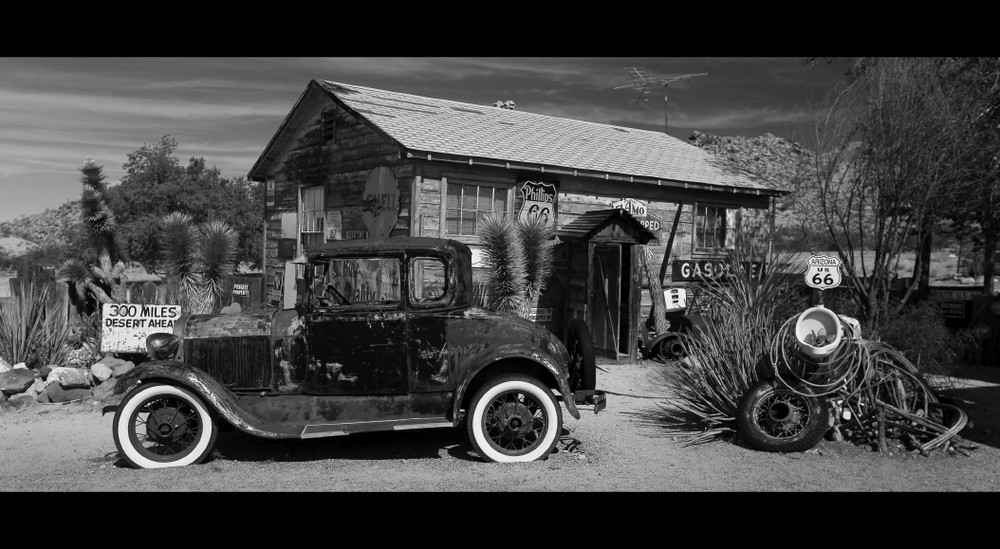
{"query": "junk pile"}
[(827, 378)]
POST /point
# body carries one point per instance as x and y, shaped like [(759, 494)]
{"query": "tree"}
[(884, 172), (155, 184), (95, 276)]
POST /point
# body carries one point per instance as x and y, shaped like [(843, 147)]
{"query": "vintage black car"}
[(386, 338)]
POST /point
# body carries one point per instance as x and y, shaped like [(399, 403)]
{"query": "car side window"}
[(428, 279), (361, 282)]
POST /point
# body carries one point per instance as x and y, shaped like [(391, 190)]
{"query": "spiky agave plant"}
[(539, 251), (730, 353), (503, 257), (217, 260), (31, 331), (178, 241)]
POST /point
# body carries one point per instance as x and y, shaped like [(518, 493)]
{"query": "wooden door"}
[(605, 298)]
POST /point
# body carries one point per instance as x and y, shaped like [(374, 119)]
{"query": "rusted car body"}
[(386, 338)]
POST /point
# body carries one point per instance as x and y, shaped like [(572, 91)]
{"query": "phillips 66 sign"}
[(823, 272)]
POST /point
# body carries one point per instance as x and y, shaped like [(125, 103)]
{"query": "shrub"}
[(31, 331), (729, 354), (920, 333)]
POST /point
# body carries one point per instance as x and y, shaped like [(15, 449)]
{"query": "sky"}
[(57, 112)]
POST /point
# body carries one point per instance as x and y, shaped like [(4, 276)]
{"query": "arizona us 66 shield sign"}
[(823, 272)]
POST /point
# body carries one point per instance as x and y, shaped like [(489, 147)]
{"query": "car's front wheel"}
[(158, 425), (514, 418)]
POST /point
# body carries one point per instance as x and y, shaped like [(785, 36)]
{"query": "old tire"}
[(514, 418), (582, 362), (160, 425), (773, 418)]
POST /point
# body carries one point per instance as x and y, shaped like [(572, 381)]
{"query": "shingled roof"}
[(465, 131)]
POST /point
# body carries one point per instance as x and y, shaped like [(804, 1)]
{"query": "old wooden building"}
[(356, 162)]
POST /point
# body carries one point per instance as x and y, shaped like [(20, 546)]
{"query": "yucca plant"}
[(197, 260), (31, 331), (730, 353), (538, 242), (506, 266)]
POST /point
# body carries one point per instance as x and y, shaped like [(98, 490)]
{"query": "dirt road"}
[(623, 449)]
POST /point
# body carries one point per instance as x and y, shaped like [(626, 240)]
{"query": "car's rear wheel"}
[(160, 425), (514, 418)]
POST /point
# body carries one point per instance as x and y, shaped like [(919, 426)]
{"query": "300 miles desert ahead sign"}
[(125, 325)]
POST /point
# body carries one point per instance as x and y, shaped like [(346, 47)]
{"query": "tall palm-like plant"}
[(92, 284), (506, 266), (217, 258), (197, 260), (538, 242)]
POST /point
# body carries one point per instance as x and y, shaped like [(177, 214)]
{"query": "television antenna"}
[(642, 81)]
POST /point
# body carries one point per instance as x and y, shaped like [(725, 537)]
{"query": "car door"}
[(356, 333), (430, 294)]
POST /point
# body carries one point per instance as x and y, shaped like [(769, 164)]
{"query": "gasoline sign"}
[(823, 272)]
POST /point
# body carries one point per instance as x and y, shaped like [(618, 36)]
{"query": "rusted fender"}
[(513, 350), (214, 393)]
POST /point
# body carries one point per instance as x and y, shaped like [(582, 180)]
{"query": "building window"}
[(467, 204), (329, 122), (311, 217), (714, 227)]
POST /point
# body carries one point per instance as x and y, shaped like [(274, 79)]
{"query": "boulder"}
[(101, 372), (5, 366), (122, 368), (16, 381), (57, 393), (69, 378), (105, 390), (20, 365), (22, 400), (39, 386), (111, 361), (44, 371)]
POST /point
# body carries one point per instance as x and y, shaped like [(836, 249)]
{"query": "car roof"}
[(396, 243)]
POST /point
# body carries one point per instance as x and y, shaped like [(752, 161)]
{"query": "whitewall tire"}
[(159, 425), (514, 418)]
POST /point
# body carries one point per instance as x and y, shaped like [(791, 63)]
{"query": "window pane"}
[(469, 197), (485, 199), (468, 226), (364, 281), (451, 223), (454, 194), (429, 282), (500, 201)]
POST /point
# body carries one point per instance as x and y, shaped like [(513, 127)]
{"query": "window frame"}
[(321, 220), (729, 226), (449, 183)]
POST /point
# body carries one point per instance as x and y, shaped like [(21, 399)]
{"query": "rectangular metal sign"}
[(125, 326)]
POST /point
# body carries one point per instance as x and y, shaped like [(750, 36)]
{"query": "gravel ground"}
[(62, 448)]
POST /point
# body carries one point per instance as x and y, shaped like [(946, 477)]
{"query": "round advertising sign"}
[(823, 272)]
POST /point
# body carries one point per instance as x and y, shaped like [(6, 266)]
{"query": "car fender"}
[(515, 351), (216, 395)]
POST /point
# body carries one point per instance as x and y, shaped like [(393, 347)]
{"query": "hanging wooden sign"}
[(381, 202)]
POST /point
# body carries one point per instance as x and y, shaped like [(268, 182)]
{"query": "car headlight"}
[(162, 346)]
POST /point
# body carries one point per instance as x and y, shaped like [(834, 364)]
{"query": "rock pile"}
[(20, 385)]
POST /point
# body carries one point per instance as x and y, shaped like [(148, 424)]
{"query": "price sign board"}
[(823, 272)]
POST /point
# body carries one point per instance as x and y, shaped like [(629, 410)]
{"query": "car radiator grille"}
[(236, 362)]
